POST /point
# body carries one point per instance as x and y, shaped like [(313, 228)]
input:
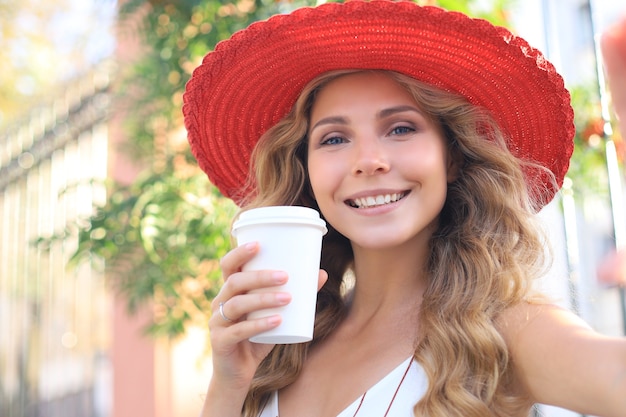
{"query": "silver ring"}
[(222, 313)]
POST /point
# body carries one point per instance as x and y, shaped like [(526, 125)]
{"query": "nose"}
[(370, 158)]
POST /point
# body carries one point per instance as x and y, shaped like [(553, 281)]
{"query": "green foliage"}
[(588, 170), (162, 237), (176, 36), (588, 166), (495, 11)]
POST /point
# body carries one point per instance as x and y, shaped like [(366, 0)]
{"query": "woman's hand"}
[(612, 268), (613, 43), (235, 358)]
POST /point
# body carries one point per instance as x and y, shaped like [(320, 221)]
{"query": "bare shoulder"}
[(533, 318), (559, 359)]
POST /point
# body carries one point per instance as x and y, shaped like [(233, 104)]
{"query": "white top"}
[(378, 397)]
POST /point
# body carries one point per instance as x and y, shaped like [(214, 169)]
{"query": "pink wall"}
[(133, 353), (133, 364)]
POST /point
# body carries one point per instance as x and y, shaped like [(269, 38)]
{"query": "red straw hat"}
[(252, 80)]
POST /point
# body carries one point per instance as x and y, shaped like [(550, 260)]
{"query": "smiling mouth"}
[(377, 200)]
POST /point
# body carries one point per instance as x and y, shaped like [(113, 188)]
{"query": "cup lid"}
[(280, 215)]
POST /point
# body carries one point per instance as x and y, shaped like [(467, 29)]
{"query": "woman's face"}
[(379, 169)]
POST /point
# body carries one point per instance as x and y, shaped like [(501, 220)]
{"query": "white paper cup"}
[(290, 239)]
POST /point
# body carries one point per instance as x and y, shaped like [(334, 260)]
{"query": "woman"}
[(427, 140)]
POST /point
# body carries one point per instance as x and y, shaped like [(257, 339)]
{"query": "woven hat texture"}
[(250, 81)]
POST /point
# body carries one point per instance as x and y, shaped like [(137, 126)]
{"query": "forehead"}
[(359, 90)]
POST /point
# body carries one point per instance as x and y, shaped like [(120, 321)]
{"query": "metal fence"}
[(54, 321)]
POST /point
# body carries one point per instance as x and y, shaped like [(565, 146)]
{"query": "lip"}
[(375, 199)]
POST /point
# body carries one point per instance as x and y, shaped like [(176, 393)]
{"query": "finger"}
[(322, 278), (237, 308), (613, 44), (223, 313), (244, 330), (237, 257), (244, 282)]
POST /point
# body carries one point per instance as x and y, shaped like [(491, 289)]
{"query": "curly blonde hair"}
[(483, 257)]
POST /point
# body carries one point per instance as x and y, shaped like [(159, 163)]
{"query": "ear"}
[(454, 164)]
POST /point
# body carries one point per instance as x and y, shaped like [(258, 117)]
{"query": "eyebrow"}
[(398, 109), (339, 120), (381, 115)]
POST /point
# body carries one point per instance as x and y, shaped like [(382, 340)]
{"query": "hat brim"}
[(251, 81)]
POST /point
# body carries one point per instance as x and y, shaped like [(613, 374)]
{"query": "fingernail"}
[(250, 246), (283, 298), (273, 320), (279, 276)]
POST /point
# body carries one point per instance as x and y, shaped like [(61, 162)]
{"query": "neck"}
[(388, 283)]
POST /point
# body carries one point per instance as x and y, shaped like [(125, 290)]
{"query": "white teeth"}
[(378, 200)]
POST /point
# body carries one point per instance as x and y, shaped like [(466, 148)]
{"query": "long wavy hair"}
[(484, 255)]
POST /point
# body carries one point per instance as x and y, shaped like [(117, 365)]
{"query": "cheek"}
[(315, 178), (323, 175), (321, 187), (423, 164), (322, 193)]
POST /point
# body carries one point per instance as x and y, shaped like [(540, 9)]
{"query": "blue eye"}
[(333, 140), (402, 130)]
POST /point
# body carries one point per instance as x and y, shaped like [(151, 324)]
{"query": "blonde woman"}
[(427, 141)]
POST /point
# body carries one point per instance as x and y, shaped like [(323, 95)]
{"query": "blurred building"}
[(54, 320)]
